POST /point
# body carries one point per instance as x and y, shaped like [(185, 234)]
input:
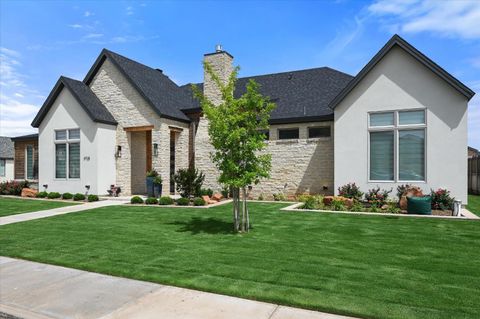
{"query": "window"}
[(287, 133), (67, 153), (2, 167), (322, 131), (397, 146), (266, 133), (29, 162)]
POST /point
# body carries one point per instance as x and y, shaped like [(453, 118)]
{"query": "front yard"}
[(13, 206), (367, 266)]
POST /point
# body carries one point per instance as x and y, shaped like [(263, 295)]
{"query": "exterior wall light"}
[(118, 153), (155, 149)]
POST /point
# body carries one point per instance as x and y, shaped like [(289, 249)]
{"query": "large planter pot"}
[(157, 190), (149, 182)]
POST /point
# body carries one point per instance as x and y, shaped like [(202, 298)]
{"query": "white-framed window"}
[(2, 167), (29, 162), (397, 146), (67, 154)]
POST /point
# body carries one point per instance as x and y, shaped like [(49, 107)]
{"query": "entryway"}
[(140, 156)]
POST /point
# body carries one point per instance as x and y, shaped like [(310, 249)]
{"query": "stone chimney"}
[(221, 63)]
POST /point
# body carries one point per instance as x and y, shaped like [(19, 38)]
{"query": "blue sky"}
[(41, 40)]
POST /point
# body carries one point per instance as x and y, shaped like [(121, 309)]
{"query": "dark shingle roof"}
[(85, 97), (164, 95), (25, 137), (299, 95), (6, 147)]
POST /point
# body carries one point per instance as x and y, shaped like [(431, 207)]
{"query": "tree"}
[(235, 130)]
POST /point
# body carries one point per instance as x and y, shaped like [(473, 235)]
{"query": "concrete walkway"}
[(40, 291), (57, 211)]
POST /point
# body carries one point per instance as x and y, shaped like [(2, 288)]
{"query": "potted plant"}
[(157, 186), (149, 181)]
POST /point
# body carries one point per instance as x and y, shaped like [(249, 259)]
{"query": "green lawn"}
[(12, 206), (474, 204), (367, 266)]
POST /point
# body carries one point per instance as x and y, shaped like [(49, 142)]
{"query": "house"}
[(473, 152), (26, 157), (6, 159), (401, 119)]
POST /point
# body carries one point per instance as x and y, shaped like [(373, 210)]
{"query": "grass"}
[(474, 204), (13, 206), (367, 266)]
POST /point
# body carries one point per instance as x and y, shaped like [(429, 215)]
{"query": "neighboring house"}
[(26, 157), (6, 159), (473, 152), (402, 119)]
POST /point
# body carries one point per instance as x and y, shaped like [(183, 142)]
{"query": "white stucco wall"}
[(9, 172), (97, 147), (399, 82)]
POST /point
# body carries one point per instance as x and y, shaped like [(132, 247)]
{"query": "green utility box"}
[(419, 205)]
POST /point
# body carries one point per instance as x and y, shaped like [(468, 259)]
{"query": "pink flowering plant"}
[(350, 190), (441, 199), (13, 187), (377, 197)]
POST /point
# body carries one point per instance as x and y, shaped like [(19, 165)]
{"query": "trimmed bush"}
[(151, 201), (189, 181), (92, 198), (53, 195), (183, 201), (206, 191), (136, 200), (350, 190), (66, 196), (42, 194), (198, 201), (166, 200), (78, 197)]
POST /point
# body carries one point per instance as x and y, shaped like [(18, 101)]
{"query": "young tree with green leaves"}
[(235, 129)]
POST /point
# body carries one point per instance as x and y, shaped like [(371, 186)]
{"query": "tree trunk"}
[(236, 202)]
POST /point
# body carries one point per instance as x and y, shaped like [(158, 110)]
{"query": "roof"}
[(25, 137), (300, 96), (85, 97), (396, 40), (164, 95), (6, 147)]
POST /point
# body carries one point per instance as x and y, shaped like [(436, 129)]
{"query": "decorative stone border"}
[(48, 199), (179, 206), (464, 213)]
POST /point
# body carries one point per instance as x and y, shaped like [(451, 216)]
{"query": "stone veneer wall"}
[(129, 108)]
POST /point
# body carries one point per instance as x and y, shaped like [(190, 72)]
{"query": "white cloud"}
[(9, 52), (19, 95), (129, 11), (459, 18), (346, 35), (93, 36), (88, 14), (76, 26)]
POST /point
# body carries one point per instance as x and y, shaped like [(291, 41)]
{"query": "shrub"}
[(42, 194), (152, 173), (260, 197), (279, 197), (183, 201), (92, 198), (157, 180), (357, 207), (350, 190), (198, 201), (338, 205), (393, 207), (441, 199), (377, 196), (65, 195), (166, 200), (206, 191), (151, 201), (189, 182), (309, 203), (226, 192), (78, 196), (53, 195), (401, 189), (136, 200), (13, 187)]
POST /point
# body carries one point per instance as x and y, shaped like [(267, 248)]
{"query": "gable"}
[(87, 100), (394, 43)]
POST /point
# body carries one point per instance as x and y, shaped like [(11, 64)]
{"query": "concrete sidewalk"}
[(40, 291), (57, 211)]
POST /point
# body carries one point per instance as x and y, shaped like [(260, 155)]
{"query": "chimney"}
[(221, 63)]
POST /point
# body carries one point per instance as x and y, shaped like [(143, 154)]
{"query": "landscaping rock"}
[(29, 192), (348, 202), (207, 200), (217, 197)]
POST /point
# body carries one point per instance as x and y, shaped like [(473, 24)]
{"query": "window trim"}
[(66, 141), (396, 127), (288, 129)]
